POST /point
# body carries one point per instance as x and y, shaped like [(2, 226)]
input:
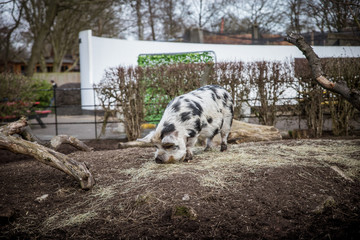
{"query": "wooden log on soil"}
[(57, 141), (240, 132), (46, 155), (246, 132), (132, 144)]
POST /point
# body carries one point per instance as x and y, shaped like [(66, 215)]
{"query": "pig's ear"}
[(147, 138), (169, 140)]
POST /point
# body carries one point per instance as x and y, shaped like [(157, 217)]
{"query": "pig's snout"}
[(158, 160)]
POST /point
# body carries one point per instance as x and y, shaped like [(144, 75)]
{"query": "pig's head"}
[(170, 149)]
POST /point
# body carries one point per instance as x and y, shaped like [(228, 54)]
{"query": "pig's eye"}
[(168, 146), (175, 147)]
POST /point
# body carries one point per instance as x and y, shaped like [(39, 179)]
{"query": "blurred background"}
[(39, 42)]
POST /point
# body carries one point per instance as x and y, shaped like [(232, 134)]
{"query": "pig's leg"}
[(208, 144), (189, 144), (224, 137), (225, 133)]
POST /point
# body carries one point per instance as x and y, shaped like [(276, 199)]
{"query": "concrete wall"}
[(60, 78), (98, 54)]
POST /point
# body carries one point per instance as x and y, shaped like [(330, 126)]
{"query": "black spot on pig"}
[(231, 110), (210, 120), (216, 131), (197, 125), (185, 116), (198, 106), (213, 89), (225, 96), (168, 128), (191, 133), (176, 106), (196, 95), (195, 109)]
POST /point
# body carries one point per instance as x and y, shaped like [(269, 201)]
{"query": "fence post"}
[(95, 113), (55, 106)]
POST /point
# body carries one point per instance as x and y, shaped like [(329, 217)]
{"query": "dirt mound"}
[(293, 189)]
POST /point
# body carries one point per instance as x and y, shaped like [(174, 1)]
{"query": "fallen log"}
[(240, 132), (132, 144), (45, 155), (247, 132), (57, 141)]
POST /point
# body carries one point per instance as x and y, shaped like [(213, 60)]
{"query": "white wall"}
[(98, 54)]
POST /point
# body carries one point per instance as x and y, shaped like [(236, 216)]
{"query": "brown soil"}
[(290, 189)]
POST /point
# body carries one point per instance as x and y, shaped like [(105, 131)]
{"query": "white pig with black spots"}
[(204, 113)]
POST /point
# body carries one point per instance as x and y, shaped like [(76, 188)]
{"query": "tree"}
[(63, 37), (7, 32), (207, 11), (40, 14), (335, 15), (261, 13)]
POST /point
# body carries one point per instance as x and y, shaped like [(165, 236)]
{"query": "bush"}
[(318, 101), (19, 92), (122, 92)]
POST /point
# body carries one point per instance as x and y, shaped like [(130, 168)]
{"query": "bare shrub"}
[(232, 76), (142, 94), (316, 102), (342, 70), (310, 98), (121, 91), (269, 81)]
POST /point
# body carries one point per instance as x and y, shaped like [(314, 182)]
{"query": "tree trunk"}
[(351, 95), (151, 18), (48, 156), (139, 20), (39, 41)]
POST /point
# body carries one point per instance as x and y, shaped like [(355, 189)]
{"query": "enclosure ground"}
[(289, 189)]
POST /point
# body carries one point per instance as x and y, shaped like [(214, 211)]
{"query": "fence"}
[(69, 117), (271, 93)]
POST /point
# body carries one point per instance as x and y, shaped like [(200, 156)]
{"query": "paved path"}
[(80, 126)]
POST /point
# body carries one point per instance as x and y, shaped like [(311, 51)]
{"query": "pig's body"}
[(204, 112)]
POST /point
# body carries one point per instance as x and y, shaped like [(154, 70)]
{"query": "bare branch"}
[(351, 95)]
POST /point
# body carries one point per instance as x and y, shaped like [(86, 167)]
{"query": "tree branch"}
[(45, 155), (351, 95)]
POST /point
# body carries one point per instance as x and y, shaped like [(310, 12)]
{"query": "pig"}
[(204, 113)]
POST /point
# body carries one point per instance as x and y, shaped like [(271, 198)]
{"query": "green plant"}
[(18, 93), (151, 60), (158, 95), (43, 92)]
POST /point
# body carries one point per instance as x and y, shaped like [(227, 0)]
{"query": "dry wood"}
[(351, 95), (46, 155), (247, 132), (57, 141), (132, 144), (240, 132)]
